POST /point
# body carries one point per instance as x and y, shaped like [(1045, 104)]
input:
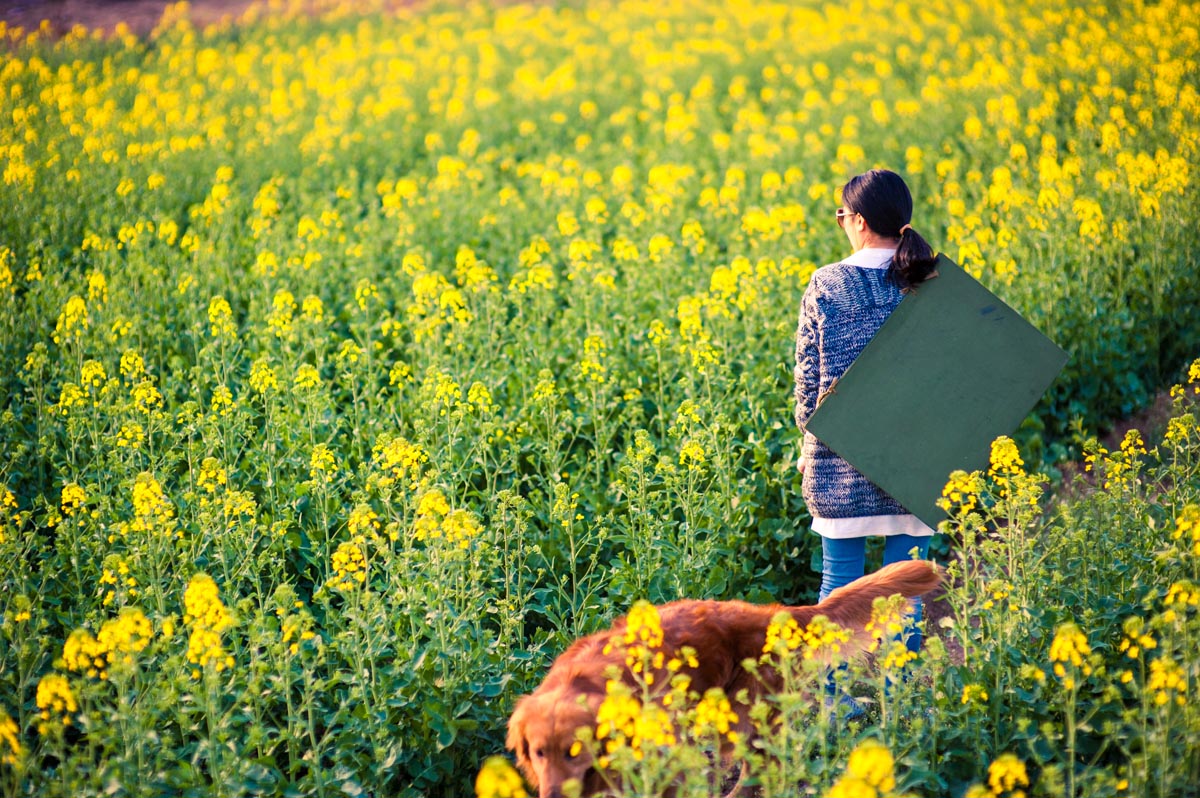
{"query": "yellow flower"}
[(349, 565), (1136, 639), (1007, 775), (961, 493), (55, 702), (220, 318), (714, 715), (10, 741), (1067, 652), (362, 520), (73, 498), (622, 721), (123, 636), (974, 693), (151, 508), (872, 762), (398, 460), (262, 377), (1006, 465), (322, 465), (211, 475), (691, 455), (498, 779), (307, 378), (84, 654), (1187, 526), (591, 366), (133, 368), (208, 619), (1167, 682), (73, 320)]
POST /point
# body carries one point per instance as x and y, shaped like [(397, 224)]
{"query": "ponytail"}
[(914, 259)]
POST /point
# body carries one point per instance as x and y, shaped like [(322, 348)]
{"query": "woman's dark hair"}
[(883, 200)]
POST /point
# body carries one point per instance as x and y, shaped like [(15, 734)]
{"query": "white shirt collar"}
[(871, 258)]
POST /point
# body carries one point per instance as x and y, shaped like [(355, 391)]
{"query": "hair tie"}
[(902, 229)]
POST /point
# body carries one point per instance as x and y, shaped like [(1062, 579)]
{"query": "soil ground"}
[(140, 15)]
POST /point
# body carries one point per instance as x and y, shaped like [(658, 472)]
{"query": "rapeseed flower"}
[(974, 694), (124, 636), (209, 619), (84, 654), (55, 702), (11, 750), (220, 319), (624, 722), (1007, 777), (211, 476), (1187, 527), (1070, 653), (73, 321), (349, 565), (714, 715), (1168, 682), (870, 773), (498, 779), (322, 464), (73, 498), (1136, 639), (397, 460)]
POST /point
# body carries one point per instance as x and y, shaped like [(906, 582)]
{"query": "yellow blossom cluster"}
[(1187, 527), (714, 715), (624, 722), (1070, 654), (820, 640), (322, 464), (974, 694), (1007, 775), (1137, 639), (153, 512), (55, 702), (113, 647), (73, 498), (11, 749), (397, 461), (349, 565), (642, 639), (498, 779), (961, 493), (870, 773), (1168, 682), (1005, 465), (437, 521), (1119, 469), (209, 619)]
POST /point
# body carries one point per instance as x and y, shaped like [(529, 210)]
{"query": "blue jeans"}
[(845, 559)]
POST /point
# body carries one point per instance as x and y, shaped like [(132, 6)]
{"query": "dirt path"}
[(140, 15)]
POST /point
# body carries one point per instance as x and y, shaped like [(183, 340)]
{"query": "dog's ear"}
[(518, 742)]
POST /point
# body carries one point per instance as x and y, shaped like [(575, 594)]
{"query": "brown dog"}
[(723, 634)]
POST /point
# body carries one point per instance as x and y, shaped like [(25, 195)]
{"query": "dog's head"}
[(542, 734)]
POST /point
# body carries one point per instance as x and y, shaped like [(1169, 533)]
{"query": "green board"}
[(952, 369)]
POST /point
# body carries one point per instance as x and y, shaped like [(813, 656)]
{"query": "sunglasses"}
[(842, 214)]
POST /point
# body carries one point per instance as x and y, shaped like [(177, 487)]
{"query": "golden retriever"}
[(723, 635)]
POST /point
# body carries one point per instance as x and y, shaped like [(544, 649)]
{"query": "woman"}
[(844, 305)]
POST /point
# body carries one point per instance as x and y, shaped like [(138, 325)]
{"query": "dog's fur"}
[(723, 634)]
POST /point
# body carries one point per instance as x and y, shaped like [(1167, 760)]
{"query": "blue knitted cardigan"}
[(842, 309)]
